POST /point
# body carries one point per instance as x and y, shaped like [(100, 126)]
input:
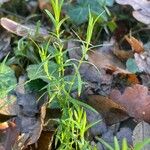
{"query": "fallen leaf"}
[(145, 79), (22, 30), (141, 9), (99, 72), (8, 135), (30, 116), (137, 46), (100, 127), (122, 54), (4, 44), (8, 106), (4, 126), (136, 101), (44, 142), (140, 133), (44, 4), (11, 134), (107, 61), (143, 61), (110, 110)]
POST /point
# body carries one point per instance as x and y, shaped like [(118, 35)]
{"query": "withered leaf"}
[(143, 61), (30, 116), (44, 4), (136, 101), (107, 61), (4, 126), (45, 142), (140, 133), (137, 46), (110, 110), (4, 44), (21, 30), (8, 106), (141, 9)]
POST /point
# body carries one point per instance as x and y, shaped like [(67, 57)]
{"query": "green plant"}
[(73, 124), (8, 79), (71, 131), (79, 10), (125, 146)]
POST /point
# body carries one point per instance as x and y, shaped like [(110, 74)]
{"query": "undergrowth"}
[(51, 66)]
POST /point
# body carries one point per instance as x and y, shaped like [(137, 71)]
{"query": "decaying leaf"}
[(8, 106), (31, 128), (22, 30), (12, 134), (137, 46), (145, 79), (44, 4), (31, 116), (141, 9), (141, 133), (122, 54), (4, 44), (136, 101), (107, 61), (110, 111), (4, 126), (143, 62), (9, 135), (44, 143)]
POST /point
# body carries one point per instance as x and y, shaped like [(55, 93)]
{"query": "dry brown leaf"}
[(107, 61), (21, 30), (136, 101), (44, 4), (137, 46), (44, 142), (111, 111), (4, 126), (141, 9), (8, 107), (122, 54), (11, 135)]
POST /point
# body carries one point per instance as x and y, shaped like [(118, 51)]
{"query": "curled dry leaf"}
[(141, 9), (136, 101), (21, 30), (137, 46), (110, 110)]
